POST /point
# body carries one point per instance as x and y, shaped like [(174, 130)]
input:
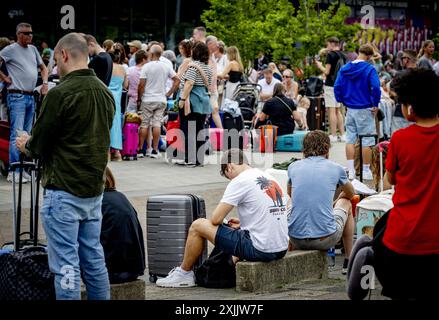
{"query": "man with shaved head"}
[(152, 98), (72, 137)]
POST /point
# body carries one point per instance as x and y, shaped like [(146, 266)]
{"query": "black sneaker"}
[(344, 270)]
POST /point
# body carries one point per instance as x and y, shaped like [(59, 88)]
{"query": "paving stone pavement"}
[(145, 177)]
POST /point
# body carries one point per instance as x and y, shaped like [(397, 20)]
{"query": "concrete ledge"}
[(294, 267), (134, 290)]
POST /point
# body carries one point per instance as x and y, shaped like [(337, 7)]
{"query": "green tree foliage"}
[(276, 27)]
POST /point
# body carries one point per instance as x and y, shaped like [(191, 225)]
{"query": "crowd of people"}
[(80, 127)]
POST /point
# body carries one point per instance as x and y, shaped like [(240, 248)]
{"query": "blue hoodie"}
[(358, 86)]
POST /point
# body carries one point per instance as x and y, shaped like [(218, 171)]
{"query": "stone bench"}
[(134, 290), (295, 266)]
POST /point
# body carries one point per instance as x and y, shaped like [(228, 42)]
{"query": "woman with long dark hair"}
[(194, 103)]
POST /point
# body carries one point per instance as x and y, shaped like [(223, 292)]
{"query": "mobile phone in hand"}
[(20, 132)]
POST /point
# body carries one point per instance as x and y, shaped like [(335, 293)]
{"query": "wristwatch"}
[(45, 82)]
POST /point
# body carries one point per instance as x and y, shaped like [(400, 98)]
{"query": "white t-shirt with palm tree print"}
[(262, 209)]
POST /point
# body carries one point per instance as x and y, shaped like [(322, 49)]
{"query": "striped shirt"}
[(193, 74)]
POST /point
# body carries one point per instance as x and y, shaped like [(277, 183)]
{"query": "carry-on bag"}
[(168, 218), (24, 271), (291, 142)]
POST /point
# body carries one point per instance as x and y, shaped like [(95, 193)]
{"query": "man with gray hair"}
[(72, 137), (22, 62), (259, 234), (152, 97)]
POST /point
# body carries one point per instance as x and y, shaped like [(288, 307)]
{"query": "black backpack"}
[(340, 63), (313, 87), (218, 271)]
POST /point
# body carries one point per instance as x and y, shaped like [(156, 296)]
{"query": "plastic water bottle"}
[(331, 258)]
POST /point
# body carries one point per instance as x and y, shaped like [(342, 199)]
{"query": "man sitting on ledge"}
[(314, 224), (260, 233)]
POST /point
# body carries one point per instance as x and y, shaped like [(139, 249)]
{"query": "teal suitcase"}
[(291, 142)]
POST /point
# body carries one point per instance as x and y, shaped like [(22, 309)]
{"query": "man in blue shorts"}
[(358, 88), (260, 233)]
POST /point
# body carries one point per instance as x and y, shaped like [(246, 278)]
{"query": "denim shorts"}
[(360, 122), (238, 243)]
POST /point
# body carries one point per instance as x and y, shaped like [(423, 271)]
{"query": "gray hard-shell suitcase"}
[(168, 218)]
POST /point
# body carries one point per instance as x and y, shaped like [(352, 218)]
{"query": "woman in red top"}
[(407, 257)]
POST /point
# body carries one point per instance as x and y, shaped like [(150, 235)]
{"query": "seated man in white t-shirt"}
[(260, 233), (267, 84)]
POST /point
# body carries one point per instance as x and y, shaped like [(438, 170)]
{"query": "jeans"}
[(73, 227), (21, 108)]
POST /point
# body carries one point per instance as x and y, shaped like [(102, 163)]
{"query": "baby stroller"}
[(247, 96)]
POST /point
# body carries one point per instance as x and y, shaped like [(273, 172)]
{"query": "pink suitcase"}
[(130, 135), (216, 138)]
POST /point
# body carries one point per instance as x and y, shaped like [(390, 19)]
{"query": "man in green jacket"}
[(72, 137)]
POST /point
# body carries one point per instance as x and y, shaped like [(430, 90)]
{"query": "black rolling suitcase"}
[(168, 218), (24, 271), (316, 113)]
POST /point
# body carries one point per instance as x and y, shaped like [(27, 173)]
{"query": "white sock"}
[(351, 165), (366, 167), (184, 271)]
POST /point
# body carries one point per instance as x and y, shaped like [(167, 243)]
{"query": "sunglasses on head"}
[(27, 33)]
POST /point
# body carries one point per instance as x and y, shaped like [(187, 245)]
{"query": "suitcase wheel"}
[(152, 278)]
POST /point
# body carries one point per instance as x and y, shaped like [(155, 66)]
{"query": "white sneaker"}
[(27, 176), (148, 153), (367, 175), (177, 279), (333, 139), (343, 138), (178, 161), (155, 154), (351, 175), (17, 178)]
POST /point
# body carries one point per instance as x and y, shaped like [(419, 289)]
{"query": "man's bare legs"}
[(335, 121), (144, 135), (155, 138), (200, 229), (215, 113), (348, 232)]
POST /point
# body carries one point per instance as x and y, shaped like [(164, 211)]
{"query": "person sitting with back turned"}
[(280, 111), (315, 224), (407, 256), (260, 233), (121, 235)]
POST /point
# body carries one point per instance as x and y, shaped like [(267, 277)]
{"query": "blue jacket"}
[(358, 86)]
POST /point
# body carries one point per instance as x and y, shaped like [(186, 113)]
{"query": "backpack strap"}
[(202, 73), (287, 106)]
